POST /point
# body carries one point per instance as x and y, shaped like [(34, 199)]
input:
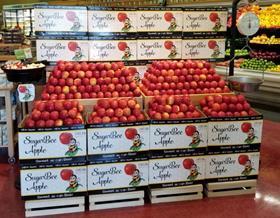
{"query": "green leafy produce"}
[(257, 64)]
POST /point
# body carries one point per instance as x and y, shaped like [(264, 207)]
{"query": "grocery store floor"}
[(266, 202)]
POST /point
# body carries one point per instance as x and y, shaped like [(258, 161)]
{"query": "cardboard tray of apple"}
[(177, 127), (181, 78), (73, 80), (117, 131), (53, 133)]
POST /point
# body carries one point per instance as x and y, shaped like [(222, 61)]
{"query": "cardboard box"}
[(205, 21), (160, 21), (117, 177), (49, 183), (232, 167), (112, 49), (118, 142), (159, 49), (60, 20), (203, 48), (177, 138), (52, 145), (112, 21), (175, 172), (67, 49)]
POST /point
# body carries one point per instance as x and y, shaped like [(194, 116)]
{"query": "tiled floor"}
[(265, 204)]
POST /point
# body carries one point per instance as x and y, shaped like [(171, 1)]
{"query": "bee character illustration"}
[(212, 44), (250, 131), (169, 17), (247, 163), (191, 131), (190, 165), (73, 147), (169, 45), (25, 91), (133, 135), (214, 17), (137, 78), (78, 54), (68, 175), (122, 17), (131, 169), (126, 49), (72, 17)]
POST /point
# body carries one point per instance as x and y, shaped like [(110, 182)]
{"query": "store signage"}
[(234, 132), (52, 144), (203, 48), (112, 50), (156, 49), (171, 172), (241, 166), (202, 20), (118, 139), (53, 182), (55, 19), (26, 92), (58, 49), (111, 21), (178, 136), (22, 54), (120, 176), (157, 20)]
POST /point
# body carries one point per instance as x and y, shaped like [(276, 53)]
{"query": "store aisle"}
[(266, 203)]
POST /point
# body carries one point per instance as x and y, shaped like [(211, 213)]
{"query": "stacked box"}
[(177, 152), (204, 32), (233, 148), (61, 33), (159, 33), (118, 157), (52, 162)]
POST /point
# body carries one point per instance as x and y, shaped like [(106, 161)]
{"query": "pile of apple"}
[(226, 106), (172, 107), (181, 78), (73, 80), (116, 110), (55, 114)]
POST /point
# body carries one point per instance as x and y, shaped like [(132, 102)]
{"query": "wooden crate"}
[(184, 193), (54, 206), (220, 189), (116, 200)]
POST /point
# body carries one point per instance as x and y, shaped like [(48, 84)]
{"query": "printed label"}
[(183, 169), (53, 180), (117, 175), (118, 140), (150, 49), (232, 165), (158, 21), (112, 21), (235, 132), (203, 48), (39, 145), (60, 20), (178, 136), (112, 50), (67, 50), (205, 21)]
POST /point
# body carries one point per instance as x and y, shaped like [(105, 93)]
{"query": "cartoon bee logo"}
[(190, 165), (247, 163), (192, 131), (250, 131), (132, 134), (131, 170), (68, 175), (73, 146)]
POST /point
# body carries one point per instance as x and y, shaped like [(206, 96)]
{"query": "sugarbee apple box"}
[(205, 21), (118, 142), (112, 48), (54, 182), (60, 20), (56, 145), (109, 178), (177, 138), (53, 48), (104, 21)]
